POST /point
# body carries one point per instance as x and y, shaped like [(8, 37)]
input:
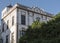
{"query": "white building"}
[(0, 35), (17, 18)]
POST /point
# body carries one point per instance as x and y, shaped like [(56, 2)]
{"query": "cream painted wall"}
[(30, 17), (11, 28)]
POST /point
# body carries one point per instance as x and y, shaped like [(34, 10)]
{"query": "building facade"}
[(16, 19), (0, 35)]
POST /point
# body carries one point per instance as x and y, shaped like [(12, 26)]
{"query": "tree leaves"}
[(43, 32)]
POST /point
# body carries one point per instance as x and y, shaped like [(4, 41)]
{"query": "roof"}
[(9, 6)]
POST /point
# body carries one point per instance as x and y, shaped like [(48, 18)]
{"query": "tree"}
[(43, 32), (36, 24)]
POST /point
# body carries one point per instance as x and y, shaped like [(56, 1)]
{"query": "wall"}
[(11, 28)]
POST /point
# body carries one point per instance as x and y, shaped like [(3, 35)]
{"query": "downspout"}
[(28, 18), (17, 27)]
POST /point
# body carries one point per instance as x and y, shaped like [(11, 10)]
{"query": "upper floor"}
[(22, 15)]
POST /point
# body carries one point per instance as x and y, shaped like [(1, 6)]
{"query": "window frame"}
[(22, 32), (3, 27), (12, 20), (12, 38), (38, 18), (7, 24), (7, 39), (23, 19)]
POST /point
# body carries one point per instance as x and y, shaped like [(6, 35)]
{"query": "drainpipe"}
[(17, 27)]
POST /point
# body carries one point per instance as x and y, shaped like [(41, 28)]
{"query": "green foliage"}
[(36, 24), (43, 32)]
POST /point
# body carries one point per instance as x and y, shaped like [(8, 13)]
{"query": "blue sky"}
[(51, 6)]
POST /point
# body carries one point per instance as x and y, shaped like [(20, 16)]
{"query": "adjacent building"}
[(16, 19), (0, 35)]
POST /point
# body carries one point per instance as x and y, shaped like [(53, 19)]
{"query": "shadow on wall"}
[(5, 32)]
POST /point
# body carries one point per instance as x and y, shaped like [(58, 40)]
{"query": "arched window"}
[(38, 18)]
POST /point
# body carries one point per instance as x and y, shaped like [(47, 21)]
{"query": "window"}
[(7, 39), (1, 40), (22, 32), (42, 17), (3, 27), (45, 17), (12, 37), (23, 19), (13, 20), (7, 24), (38, 19)]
